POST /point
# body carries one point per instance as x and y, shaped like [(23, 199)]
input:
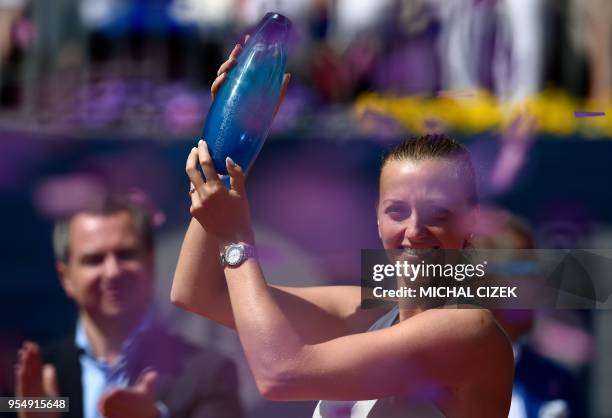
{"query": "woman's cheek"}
[(391, 235), (449, 237)]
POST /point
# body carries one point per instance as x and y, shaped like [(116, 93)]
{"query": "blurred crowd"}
[(145, 67)]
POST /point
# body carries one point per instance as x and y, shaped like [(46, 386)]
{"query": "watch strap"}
[(248, 251)]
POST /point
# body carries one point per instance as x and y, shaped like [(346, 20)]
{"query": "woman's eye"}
[(439, 215), (397, 213)]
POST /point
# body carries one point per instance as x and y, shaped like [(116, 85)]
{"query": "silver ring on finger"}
[(191, 188)]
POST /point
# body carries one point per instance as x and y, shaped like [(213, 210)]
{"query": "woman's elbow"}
[(179, 300), (277, 384), (274, 391), (270, 391)]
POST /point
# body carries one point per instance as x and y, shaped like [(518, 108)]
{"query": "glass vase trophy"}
[(241, 114)]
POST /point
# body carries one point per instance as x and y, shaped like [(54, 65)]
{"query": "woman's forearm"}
[(271, 344), (199, 283)]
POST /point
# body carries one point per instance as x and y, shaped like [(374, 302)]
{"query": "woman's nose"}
[(414, 229)]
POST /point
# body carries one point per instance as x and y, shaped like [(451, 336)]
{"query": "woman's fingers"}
[(226, 66), (235, 52), (196, 201), (283, 91), (285, 84), (193, 173), (237, 179), (207, 164), (217, 84), (221, 76)]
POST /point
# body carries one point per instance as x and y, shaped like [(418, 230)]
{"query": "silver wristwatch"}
[(236, 254)]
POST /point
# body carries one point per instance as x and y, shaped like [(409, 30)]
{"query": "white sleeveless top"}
[(393, 407), (375, 408)]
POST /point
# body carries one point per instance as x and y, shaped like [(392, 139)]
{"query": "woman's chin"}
[(418, 255)]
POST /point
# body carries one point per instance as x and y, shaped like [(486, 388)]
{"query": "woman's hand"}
[(230, 62), (221, 212)]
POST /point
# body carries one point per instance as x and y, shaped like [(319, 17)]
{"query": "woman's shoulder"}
[(465, 321), (461, 335), (468, 351)]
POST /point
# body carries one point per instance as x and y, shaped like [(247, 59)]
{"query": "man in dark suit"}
[(121, 362), (544, 389), (541, 389)]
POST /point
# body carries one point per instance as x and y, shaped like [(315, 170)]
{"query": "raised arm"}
[(199, 283), (199, 286)]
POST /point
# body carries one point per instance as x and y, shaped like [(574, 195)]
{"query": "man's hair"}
[(110, 204), (433, 147)]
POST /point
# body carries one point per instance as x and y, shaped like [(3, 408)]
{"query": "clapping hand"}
[(33, 379), (137, 401)]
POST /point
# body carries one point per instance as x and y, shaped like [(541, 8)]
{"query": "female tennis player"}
[(316, 342)]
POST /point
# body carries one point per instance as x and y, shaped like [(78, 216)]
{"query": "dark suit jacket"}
[(193, 382), (538, 380)]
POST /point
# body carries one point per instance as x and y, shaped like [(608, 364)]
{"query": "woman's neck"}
[(406, 313)]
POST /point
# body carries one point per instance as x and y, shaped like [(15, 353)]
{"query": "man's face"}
[(109, 271)]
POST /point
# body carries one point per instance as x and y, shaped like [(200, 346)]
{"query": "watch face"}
[(234, 255)]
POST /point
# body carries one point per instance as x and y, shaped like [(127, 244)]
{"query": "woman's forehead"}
[(433, 180), (421, 168)]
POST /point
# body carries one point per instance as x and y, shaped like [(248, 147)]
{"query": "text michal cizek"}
[(447, 292)]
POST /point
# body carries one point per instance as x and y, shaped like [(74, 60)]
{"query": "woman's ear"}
[(472, 224), (474, 216), (377, 220)]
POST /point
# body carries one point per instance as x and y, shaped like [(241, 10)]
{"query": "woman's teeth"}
[(419, 251)]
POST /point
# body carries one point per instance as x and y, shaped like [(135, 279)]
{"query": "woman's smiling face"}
[(424, 204)]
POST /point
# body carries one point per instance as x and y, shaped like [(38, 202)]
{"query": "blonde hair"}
[(437, 146)]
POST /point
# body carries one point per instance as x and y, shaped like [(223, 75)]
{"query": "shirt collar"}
[(82, 341)]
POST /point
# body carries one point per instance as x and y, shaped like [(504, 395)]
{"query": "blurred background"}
[(112, 94)]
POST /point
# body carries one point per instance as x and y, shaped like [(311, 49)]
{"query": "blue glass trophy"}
[(241, 114)]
